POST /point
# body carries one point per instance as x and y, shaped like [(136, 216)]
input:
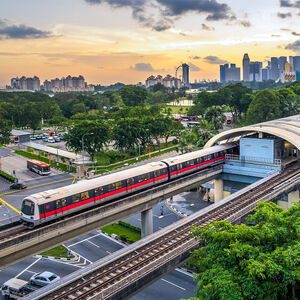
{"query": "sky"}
[(110, 41)]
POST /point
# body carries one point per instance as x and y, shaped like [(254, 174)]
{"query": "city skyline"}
[(127, 41)]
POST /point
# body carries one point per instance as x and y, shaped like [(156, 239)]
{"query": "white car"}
[(51, 140)]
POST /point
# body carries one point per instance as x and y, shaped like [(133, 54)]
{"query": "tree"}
[(96, 135), (5, 131), (215, 116), (265, 106), (133, 95), (250, 262), (291, 105)]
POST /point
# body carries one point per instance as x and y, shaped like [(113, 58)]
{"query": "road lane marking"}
[(16, 195), (28, 267), (180, 287), (13, 208), (82, 241), (93, 244), (74, 180), (35, 186), (112, 239), (185, 272)]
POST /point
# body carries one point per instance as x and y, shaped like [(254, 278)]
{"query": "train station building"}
[(263, 149)]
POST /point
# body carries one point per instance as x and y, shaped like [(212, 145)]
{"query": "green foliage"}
[(265, 106), (93, 135), (5, 131), (215, 116), (7, 176), (261, 261), (60, 251), (129, 226), (133, 95)]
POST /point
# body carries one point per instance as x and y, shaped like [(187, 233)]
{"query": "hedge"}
[(129, 226), (7, 176)]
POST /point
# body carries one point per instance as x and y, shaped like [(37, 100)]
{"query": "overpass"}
[(18, 242), (128, 270)]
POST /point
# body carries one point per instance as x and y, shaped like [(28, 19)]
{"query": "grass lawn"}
[(177, 109), (59, 251), (125, 233)]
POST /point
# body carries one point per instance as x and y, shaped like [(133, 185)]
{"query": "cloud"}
[(285, 29), (142, 67), (295, 33), (289, 3), (275, 35), (194, 68), (195, 57), (205, 27), (283, 15), (293, 46), (9, 30), (246, 24), (169, 10), (214, 60)]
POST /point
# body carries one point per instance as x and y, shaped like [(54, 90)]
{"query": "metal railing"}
[(252, 159)]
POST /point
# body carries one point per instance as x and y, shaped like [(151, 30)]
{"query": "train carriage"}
[(197, 160), (46, 206)]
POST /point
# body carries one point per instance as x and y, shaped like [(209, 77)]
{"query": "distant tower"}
[(186, 74), (223, 69), (246, 67)]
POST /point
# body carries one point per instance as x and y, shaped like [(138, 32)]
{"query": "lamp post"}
[(82, 141)]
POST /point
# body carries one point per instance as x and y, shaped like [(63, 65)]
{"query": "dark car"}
[(18, 186)]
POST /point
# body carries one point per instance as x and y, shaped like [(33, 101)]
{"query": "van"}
[(16, 288)]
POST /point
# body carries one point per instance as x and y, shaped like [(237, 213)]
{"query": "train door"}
[(59, 204)]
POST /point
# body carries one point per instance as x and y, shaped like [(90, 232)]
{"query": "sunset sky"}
[(127, 40)]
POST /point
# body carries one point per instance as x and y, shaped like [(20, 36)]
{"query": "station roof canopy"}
[(286, 128), (19, 132)]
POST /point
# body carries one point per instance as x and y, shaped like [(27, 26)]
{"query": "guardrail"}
[(252, 159)]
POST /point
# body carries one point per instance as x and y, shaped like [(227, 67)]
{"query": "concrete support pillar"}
[(260, 135), (147, 222), (293, 197), (218, 188)]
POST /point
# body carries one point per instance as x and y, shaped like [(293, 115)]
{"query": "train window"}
[(63, 202), (144, 177), (187, 163), (58, 203), (98, 191), (84, 196), (76, 198), (180, 166), (157, 173), (130, 181), (191, 162), (115, 186)]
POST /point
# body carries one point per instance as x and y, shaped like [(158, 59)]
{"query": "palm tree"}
[(215, 116)]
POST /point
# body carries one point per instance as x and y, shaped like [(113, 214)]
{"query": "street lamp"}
[(82, 141)]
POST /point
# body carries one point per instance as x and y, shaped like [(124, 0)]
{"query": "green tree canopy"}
[(95, 135), (133, 95), (261, 261), (266, 106), (5, 131), (215, 116)]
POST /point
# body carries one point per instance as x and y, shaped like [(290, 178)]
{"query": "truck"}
[(16, 288)]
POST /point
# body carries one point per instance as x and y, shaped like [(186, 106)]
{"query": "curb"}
[(75, 258), (174, 210)]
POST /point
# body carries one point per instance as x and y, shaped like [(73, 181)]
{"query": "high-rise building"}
[(246, 67), (296, 63), (232, 74), (186, 74), (36, 83), (223, 72), (255, 71), (288, 68), (282, 60), (265, 74), (274, 71)]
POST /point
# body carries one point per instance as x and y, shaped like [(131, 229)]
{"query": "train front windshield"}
[(27, 207)]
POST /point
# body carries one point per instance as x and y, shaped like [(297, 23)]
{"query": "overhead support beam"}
[(147, 222)]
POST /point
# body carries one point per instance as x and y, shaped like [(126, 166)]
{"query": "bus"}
[(38, 167)]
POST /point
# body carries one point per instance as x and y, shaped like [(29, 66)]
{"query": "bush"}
[(129, 226), (7, 176)]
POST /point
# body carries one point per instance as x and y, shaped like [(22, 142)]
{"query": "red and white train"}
[(53, 204)]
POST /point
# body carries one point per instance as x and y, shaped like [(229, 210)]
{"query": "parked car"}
[(44, 278), (51, 140), (56, 138), (45, 140), (18, 186)]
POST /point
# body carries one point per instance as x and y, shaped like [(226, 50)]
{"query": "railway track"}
[(12, 232), (105, 280)]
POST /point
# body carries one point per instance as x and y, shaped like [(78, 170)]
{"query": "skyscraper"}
[(282, 60), (274, 72), (246, 67), (223, 72), (186, 74), (255, 71), (232, 74), (296, 63)]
